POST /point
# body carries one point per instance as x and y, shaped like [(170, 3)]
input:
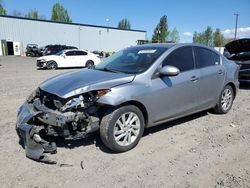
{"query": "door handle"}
[(220, 71), (194, 79)]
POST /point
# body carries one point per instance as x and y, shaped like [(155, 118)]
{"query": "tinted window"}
[(181, 58), (70, 53), (216, 58), (205, 57), (81, 53)]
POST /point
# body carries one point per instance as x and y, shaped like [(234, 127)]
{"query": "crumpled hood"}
[(65, 85), (238, 46)]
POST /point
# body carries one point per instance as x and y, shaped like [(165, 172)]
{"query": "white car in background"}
[(68, 58)]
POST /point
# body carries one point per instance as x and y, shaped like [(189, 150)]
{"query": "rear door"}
[(212, 74), (81, 58), (176, 95)]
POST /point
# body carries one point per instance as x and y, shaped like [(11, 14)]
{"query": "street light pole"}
[(107, 23), (236, 25)]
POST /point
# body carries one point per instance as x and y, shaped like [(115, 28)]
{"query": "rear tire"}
[(225, 100), (90, 64), (122, 128), (51, 65)]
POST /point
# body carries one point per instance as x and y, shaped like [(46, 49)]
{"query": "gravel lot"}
[(203, 150)]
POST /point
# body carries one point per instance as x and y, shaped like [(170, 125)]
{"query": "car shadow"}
[(173, 123), (95, 139)]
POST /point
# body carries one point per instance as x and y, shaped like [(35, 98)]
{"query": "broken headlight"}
[(74, 103), (84, 101)]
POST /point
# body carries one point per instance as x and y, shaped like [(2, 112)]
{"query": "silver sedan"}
[(134, 89)]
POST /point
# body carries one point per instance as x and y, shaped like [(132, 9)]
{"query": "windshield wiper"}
[(108, 70)]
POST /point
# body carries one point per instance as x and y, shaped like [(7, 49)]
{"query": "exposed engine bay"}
[(45, 114)]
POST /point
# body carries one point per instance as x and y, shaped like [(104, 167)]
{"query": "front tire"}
[(225, 100), (51, 65), (122, 128)]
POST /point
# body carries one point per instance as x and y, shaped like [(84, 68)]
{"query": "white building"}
[(45, 32)]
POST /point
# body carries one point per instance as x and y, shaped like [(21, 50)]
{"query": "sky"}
[(187, 16)]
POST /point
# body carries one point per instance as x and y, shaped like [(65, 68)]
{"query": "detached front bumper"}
[(35, 122), (35, 146)]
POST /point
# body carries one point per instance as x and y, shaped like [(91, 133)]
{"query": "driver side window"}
[(182, 58)]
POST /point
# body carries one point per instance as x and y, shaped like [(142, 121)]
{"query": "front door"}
[(70, 59), (177, 95)]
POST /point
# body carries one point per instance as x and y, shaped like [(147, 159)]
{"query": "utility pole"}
[(236, 25)]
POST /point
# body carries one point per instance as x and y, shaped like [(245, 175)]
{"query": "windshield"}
[(131, 60)]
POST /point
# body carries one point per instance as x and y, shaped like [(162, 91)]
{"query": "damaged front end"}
[(45, 114)]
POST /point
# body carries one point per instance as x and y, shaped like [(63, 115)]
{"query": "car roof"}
[(170, 45), (68, 50), (156, 45)]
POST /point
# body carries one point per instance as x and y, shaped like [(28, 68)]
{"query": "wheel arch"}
[(233, 87), (140, 106), (89, 61), (52, 61)]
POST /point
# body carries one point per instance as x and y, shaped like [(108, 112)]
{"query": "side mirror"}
[(63, 55), (169, 71)]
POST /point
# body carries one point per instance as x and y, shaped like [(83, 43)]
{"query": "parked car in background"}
[(42, 50), (135, 88), (54, 49), (98, 53), (32, 50), (239, 52), (68, 58)]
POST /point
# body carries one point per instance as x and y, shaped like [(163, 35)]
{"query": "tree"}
[(218, 37), (195, 37), (124, 24), (161, 31), (208, 36), (2, 10), (32, 14), (174, 35), (205, 37), (59, 13)]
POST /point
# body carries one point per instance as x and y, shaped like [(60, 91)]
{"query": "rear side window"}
[(181, 58), (70, 53), (81, 53), (205, 57), (216, 58)]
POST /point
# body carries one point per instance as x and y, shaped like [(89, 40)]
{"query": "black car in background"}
[(239, 52), (32, 50), (53, 49)]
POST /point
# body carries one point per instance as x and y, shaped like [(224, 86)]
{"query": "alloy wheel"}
[(226, 99), (127, 129)]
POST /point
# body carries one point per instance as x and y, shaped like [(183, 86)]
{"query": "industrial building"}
[(17, 32)]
